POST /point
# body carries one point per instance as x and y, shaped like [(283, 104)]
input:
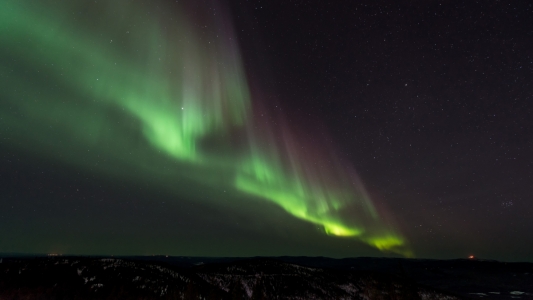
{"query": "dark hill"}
[(161, 277)]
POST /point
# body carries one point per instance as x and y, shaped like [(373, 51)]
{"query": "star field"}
[(267, 128)]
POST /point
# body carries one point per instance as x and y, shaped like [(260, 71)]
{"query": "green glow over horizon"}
[(138, 95)]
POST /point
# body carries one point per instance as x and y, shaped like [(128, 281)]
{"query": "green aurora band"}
[(135, 85)]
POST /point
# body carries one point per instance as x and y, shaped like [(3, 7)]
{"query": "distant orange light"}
[(471, 256)]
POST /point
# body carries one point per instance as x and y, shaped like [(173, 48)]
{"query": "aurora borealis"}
[(167, 123), (182, 93)]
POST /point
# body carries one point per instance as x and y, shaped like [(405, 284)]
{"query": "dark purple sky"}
[(431, 101)]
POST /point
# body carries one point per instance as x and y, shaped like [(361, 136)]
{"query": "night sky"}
[(246, 128)]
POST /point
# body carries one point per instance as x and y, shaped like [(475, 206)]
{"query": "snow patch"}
[(516, 293)]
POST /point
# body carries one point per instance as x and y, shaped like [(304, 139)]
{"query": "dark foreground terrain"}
[(160, 277)]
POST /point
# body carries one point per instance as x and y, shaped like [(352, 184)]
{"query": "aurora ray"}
[(161, 91)]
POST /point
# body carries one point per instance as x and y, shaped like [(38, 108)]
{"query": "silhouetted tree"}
[(258, 292), (237, 291)]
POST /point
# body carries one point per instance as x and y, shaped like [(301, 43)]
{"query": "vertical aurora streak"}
[(116, 76)]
